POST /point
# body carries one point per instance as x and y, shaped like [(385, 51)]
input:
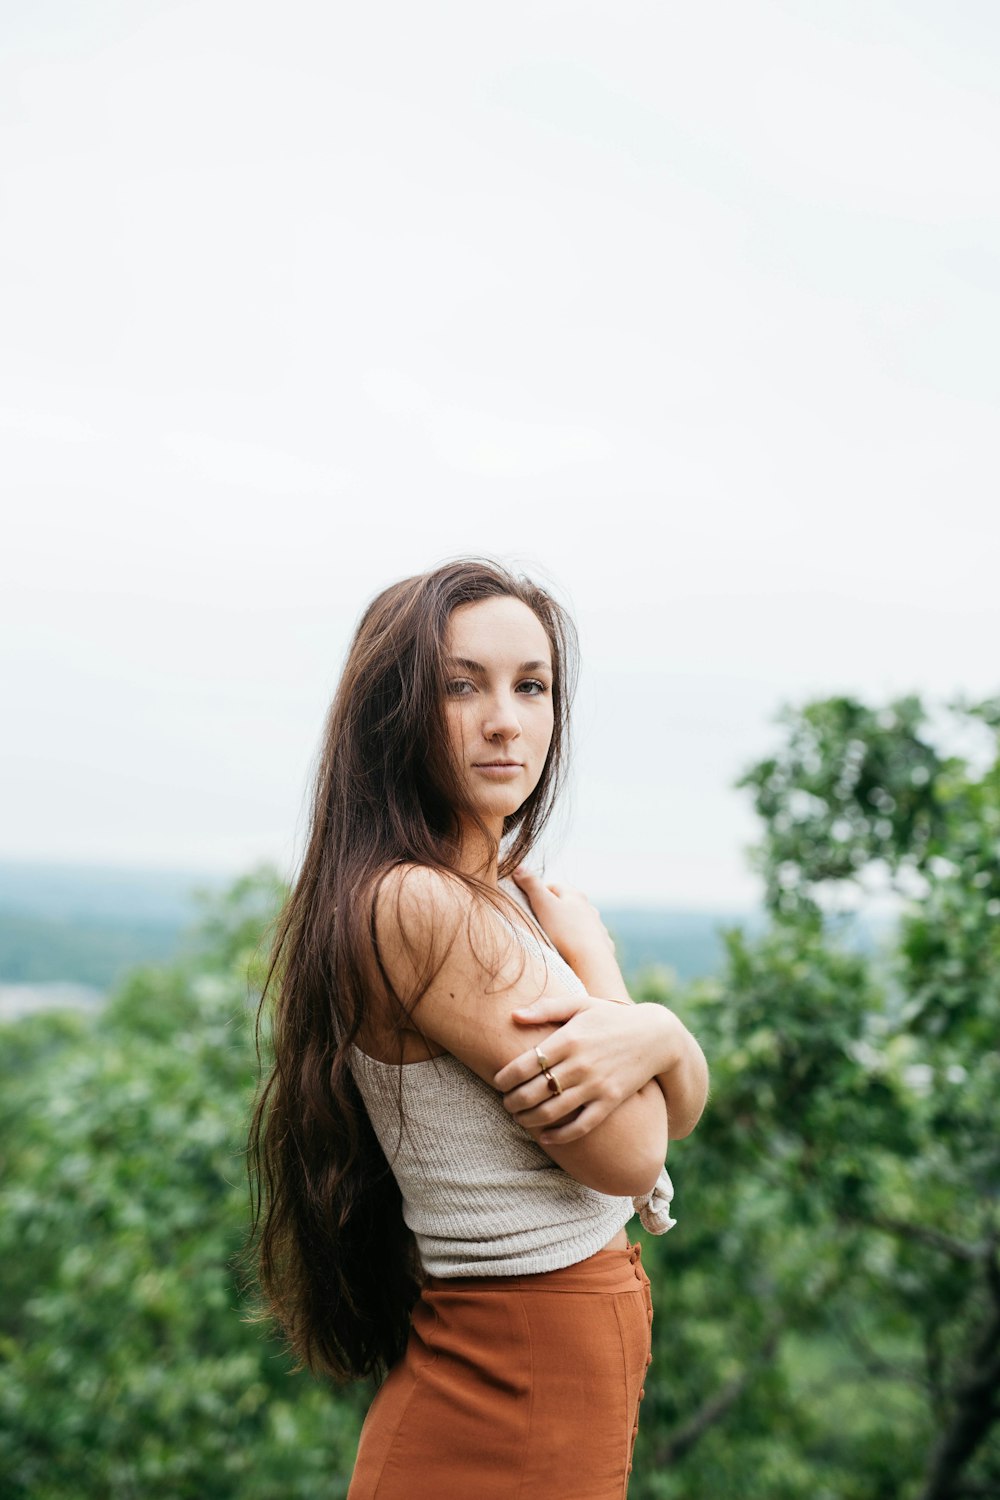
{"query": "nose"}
[(500, 720)]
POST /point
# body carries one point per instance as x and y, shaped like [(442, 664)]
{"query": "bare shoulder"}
[(417, 909), (435, 933)]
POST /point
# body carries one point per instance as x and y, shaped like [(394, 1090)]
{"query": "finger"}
[(562, 1118), (525, 1096), (588, 1118), (551, 1111), (550, 1009), (534, 887), (523, 1067), (536, 1091)]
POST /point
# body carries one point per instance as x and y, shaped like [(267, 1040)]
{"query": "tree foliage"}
[(830, 1320), (127, 1368), (828, 1306)]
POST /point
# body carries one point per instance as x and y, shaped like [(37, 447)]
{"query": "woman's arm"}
[(605, 1056), (430, 927)]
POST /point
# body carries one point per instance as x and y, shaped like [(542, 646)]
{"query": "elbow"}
[(634, 1183), (637, 1174), (684, 1113), (633, 1178), (644, 1184), (679, 1130)]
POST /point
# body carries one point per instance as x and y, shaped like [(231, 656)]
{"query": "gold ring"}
[(555, 1087), (543, 1062)]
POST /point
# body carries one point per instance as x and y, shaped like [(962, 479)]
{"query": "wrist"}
[(667, 1039), (600, 975)]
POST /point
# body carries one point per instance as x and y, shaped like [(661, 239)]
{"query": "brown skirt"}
[(514, 1387)]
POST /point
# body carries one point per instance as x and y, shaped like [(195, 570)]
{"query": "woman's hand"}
[(571, 922), (601, 1055), (574, 925)]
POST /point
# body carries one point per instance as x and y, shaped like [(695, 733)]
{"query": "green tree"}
[(828, 1306), (830, 1299), (126, 1366)]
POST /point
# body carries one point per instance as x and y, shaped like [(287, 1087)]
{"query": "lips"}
[(510, 764)]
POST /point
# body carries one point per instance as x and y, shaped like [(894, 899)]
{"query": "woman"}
[(465, 1108)]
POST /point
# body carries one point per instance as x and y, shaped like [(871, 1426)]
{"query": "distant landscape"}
[(83, 925), (70, 933)]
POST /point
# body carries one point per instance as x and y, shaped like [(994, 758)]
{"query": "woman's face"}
[(498, 703)]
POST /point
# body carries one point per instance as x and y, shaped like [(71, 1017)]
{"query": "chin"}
[(498, 809), (501, 806)]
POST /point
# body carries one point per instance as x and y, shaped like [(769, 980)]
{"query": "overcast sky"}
[(690, 310)]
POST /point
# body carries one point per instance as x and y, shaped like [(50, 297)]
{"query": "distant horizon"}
[(219, 875), (182, 881), (77, 923), (73, 923)]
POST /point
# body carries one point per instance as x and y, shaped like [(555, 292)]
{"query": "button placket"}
[(634, 1257)]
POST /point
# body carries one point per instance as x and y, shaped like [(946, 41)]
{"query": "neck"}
[(475, 856)]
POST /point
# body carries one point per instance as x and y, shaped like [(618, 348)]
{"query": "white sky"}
[(691, 310)]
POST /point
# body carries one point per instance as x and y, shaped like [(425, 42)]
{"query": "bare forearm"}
[(684, 1081), (624, 1154), (680, 1066), (602, 976)]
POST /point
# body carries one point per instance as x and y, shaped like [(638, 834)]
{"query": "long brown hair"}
[(335, 1262)]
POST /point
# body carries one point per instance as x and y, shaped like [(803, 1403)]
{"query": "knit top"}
[(480, 1195)]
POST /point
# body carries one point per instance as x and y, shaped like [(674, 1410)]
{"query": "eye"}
[(538, 688), (457, 688)]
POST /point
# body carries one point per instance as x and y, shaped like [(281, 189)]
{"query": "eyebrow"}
[(477, 666)]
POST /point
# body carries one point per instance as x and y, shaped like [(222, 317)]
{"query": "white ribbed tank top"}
[(481, 1197)]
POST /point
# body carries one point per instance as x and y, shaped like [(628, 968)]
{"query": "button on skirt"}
[(514, 1387)]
